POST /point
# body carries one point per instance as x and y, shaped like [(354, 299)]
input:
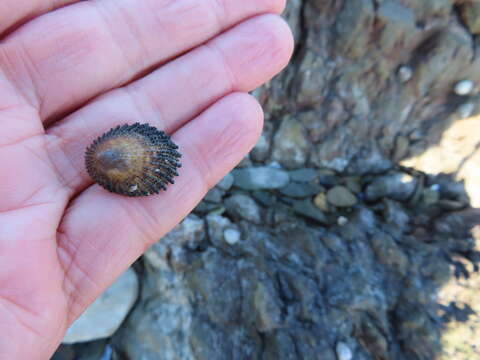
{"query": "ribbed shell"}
[(133, 160)]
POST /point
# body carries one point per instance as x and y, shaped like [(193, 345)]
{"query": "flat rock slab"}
[(104, 316)]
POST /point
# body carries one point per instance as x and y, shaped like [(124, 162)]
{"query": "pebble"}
[(106, 314), (306, 208), (397, 186), (214, 195), (321, 202), (296, 190), (260, 178), (231, 236), (340, 196), (466, 110), (405, 73), (290, 144), (261, 149), (343, 351), (226, 183), (342, 220), (464, 87), (303, 175), (244, 207)]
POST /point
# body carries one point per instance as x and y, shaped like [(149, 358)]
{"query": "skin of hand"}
[(70, 70)]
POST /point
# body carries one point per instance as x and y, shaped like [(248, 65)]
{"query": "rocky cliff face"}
[(350, 231)]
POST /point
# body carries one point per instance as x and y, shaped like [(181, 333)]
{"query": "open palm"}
[(70, 70)]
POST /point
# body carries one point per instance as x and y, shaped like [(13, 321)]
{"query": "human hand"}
[(69, 74)]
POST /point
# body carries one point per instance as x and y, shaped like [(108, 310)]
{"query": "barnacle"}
[(133, 160)]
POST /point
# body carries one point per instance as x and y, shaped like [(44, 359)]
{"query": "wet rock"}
[(298, 190), (243, 207), (104, 316), (260, 178), (290, 145), (340, 196), (397, 186)]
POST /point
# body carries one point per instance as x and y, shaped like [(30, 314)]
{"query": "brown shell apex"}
[(133, 160)]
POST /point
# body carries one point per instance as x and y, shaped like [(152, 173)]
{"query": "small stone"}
[(405, 73), (303, 175), (464, 87), (340, 196), (264, 197), (106, 314), (261, 149), (306, 208), (260, 178), (231, 236), (397, 186), (244, 207), (214, 195), (226, 183), (342, 220), (296, 190), (430, 197), (343, 351), (290, 144), (354, 184), (321, 202), (327, 178), (466, 110), (451, 205), (205, 207)]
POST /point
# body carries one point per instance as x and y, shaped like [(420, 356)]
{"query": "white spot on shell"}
[(157, 170), (133, 188), (464, 87)]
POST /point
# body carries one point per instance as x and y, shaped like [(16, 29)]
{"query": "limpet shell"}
[(133, 160)]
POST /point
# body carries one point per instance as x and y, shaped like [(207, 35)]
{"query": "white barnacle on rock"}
[(405, 73), (342, 220), (464, 87), (343, 351), (466, 110)]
